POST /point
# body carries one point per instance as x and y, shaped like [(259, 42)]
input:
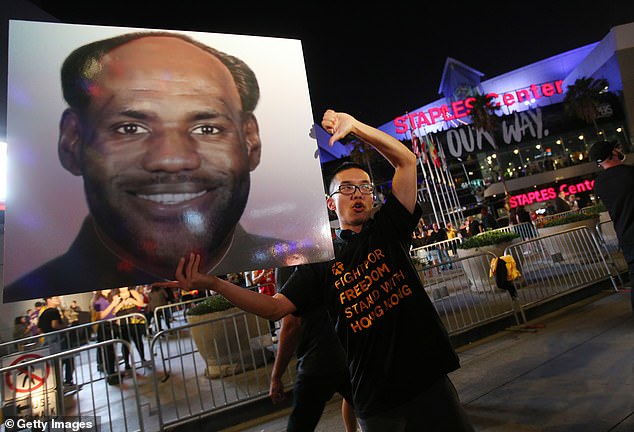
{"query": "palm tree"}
[(584, 97), (483, 117), (483, 114)]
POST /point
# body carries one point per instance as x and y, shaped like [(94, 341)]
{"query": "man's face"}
[(164, 150), (352, 210), (53, 302)]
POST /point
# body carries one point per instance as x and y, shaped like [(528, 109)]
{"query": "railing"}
[(211, 365), (32, 388), (437, 252), (464, 294), (555, 216), (560, 263), (525, 230), (445, 250)]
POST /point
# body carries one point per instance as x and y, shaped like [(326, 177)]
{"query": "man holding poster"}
[(397, 348), (162, 130)]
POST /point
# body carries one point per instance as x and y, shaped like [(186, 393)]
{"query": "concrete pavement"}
[(568, 371)]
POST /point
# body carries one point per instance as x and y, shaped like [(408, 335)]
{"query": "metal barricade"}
[(171, 313), (213, 363), (437, 252), (556, 264), (465, 295), (547, 218), (32, 387)]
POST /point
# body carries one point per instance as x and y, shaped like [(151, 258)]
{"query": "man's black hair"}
[(346, 166)]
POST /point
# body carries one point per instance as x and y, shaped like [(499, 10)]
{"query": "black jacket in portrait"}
[(89, 265)]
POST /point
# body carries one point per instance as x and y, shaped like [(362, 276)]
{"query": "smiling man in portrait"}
[(161, 128)]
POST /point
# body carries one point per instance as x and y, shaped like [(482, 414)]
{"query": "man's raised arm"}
[(268, 307), (404, 182)]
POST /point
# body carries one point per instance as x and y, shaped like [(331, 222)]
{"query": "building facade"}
[(538, 147)]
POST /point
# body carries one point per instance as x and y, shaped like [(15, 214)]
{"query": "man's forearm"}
[(268, 307), (393, 150), (289, 335)]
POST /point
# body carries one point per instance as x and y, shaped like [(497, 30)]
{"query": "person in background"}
[(34, 316), (103, 303), (561, 203), (132, 328), (321, 366), (21, 330), (534, 216), (475, 227), (615, 188), (438, 253), (398, 353), (488, 220), (158, 296), (573, 202), (452, 233), (73, 312), (50, 320), (521, 215), (419, 236), (265, 280), (321, 371), (463, 229)]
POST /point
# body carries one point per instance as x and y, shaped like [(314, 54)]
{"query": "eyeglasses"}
[(348, 189)]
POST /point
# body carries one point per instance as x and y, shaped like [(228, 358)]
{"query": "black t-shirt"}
[(319, 352), (474, 227), (395, 342), (489, 222), (522, 215), (438, 236), (45, 321), (615, 188)]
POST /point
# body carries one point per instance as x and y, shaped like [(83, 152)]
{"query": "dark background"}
[(378, 61)]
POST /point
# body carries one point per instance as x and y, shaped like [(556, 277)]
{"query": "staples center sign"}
[(462, 108), (549, 193)]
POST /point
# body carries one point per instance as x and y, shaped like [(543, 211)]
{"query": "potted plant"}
[(568, 221), (491, 241), (224, 336), (477, 269)]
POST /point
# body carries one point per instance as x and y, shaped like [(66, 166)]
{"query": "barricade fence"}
[(32, 387), (464, 294), (209, 364), (163, 316), (560, 263), (547, 218), (434, 253), (212, 363)]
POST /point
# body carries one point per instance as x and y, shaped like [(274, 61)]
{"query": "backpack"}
[(505, 271)]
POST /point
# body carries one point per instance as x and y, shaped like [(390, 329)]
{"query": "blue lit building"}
[(538, 147)]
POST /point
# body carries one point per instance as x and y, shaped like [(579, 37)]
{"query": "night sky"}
[(379, 62)]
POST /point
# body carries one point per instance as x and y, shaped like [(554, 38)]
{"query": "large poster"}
[(128, 148)]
